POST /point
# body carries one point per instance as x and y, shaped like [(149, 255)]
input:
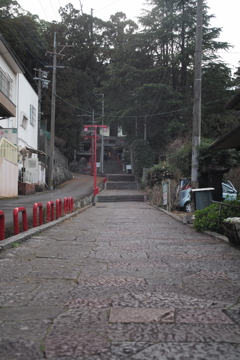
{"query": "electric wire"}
[(43, 9), (99, 10), (140, 116), (54, 10), (35, 40), (149, 115), (22, 42)]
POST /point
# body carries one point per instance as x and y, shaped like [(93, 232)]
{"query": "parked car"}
[(228, 192)]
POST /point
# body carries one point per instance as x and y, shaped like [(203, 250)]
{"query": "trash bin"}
[(202, 197)]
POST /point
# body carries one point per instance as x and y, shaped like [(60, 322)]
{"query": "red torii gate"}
[(95, 188)]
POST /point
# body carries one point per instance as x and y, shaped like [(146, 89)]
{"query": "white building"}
[(18, 128)]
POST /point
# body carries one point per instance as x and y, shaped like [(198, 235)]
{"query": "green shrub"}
[(143, 156), (182, 159), (159, 173), (208, 218)]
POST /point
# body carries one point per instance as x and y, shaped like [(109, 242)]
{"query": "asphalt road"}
[(78, 188)]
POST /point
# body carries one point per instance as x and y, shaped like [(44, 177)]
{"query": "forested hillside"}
[(144, 70)]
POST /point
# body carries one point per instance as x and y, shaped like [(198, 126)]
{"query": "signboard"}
[(165, 193), (104, 131), (10, 135)]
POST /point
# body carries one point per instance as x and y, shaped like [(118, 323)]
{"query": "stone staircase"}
[(121, 182), (119, 188), (112, 167)]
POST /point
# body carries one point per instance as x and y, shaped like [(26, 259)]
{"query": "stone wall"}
[(44, 145), (61, 173)]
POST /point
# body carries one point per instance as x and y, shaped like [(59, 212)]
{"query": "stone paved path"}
[(120, 281)]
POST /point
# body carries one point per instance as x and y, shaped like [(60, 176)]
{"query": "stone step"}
[(120, 198), (112, 167), (121, 177), (117, 185)]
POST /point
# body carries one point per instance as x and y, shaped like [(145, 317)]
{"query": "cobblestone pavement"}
[(120, 281)]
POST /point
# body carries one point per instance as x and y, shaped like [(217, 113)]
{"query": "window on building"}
[(24, 121), (5, 84), (32, 115)]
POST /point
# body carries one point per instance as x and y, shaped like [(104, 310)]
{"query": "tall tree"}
[(164, 86)]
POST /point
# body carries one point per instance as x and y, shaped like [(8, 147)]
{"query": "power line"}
[(53, 10), (140, 116), (35, 40), (21, 41), (107, 6), (43, 9)]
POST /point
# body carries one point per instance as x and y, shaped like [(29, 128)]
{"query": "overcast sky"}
[(227, 16)]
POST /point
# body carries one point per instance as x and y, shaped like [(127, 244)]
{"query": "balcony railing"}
[(8, 150)]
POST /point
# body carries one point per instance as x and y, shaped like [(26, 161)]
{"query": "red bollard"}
[(2, 225), (37, 206), (50, 211), (58, 208), (66, 205), (16, 222), (71, 204)]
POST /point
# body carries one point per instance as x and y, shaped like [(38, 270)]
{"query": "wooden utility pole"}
[(53, 109), (52, 134), (196, 131)]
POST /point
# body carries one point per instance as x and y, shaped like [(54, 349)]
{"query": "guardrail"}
[(38, 215), (220, 208)]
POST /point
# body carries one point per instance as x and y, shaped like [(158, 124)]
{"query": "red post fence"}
[(16, 222), (2, 225), (37, 206), (37, 215), (50, 211), (68, 205), (71, 204), (58, 208)]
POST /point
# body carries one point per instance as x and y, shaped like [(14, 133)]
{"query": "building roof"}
[(231, 140), (234, 103)]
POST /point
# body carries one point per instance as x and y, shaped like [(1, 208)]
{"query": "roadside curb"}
[(80, 205), (23, 236), (217, 236), (167, 212), (210, 233)]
